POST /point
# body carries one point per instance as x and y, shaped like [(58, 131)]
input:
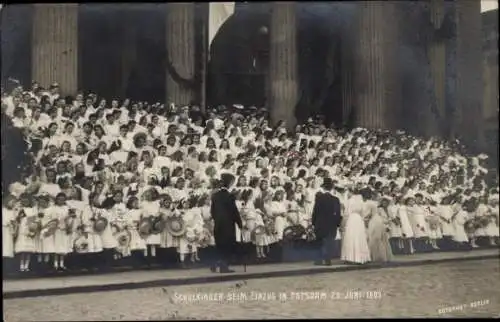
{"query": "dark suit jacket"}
[(225, 215), (326, 216)]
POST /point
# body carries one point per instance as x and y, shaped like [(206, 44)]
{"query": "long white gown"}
[(354, 242), (8, 215), (460, 235)]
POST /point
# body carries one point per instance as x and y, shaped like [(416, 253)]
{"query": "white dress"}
[(136, 241), (167, 239), (25, 243), (395, 229), (481, 212), (433, 223), (209, 223), (94, 239), (446, 212), (151, 209), (119, 214), (8, 215), (406, 228), (47, 244), (416, 214), (278, 212), (458, 223), (63, 241), (354, 242), (492, 229), (107, 238), (194, 227)]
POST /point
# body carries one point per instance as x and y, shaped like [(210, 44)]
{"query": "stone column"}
[(129, 32), (283, 73), (347, 77), (437, 56), (375, 84), (469, 89), (55, 46), (181, 51)]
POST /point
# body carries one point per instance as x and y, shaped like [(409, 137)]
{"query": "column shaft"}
[(55, 46), (437, 55), (469, 91), (347, 77), (375, 83), (181, 51), (283, 73)]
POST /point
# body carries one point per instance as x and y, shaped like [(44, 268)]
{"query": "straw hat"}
[(175, 226), (100, 224)]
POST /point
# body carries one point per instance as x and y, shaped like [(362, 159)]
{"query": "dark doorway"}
[(239, 61), (16, 42), (122, 51)]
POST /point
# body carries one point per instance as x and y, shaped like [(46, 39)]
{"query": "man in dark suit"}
[(326, 218), (226, 216)]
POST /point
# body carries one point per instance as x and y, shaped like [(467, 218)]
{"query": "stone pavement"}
[(469, 288), (145, 279)]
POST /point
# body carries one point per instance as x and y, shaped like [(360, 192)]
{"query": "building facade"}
[(490, 80), (371, 85)]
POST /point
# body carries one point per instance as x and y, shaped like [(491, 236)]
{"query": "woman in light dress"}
[(378, 233), (406, 228), (354, 239), (25, 244), (445, 213), (278, 214), (416, 215), (490, 229), (459, 219), (9, 226), (395, 229)]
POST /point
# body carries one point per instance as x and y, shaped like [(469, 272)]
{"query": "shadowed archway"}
[(239, 59)]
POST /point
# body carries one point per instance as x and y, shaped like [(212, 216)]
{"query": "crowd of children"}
[(123, 177)]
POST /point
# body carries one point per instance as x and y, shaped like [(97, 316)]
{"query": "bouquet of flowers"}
[(310, 235), (484, 221)]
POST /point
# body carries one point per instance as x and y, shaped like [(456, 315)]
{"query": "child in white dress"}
[(151, 208), (166, 211), (188, 244), (406, 228), (445, 212), (29, 224), (137, 242), (460, 236), (119, 224), (64, 233), (434, 225), (46, 245), (9, 227), (278, 213)]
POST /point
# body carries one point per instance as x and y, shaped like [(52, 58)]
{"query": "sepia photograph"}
[(250, 160)]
